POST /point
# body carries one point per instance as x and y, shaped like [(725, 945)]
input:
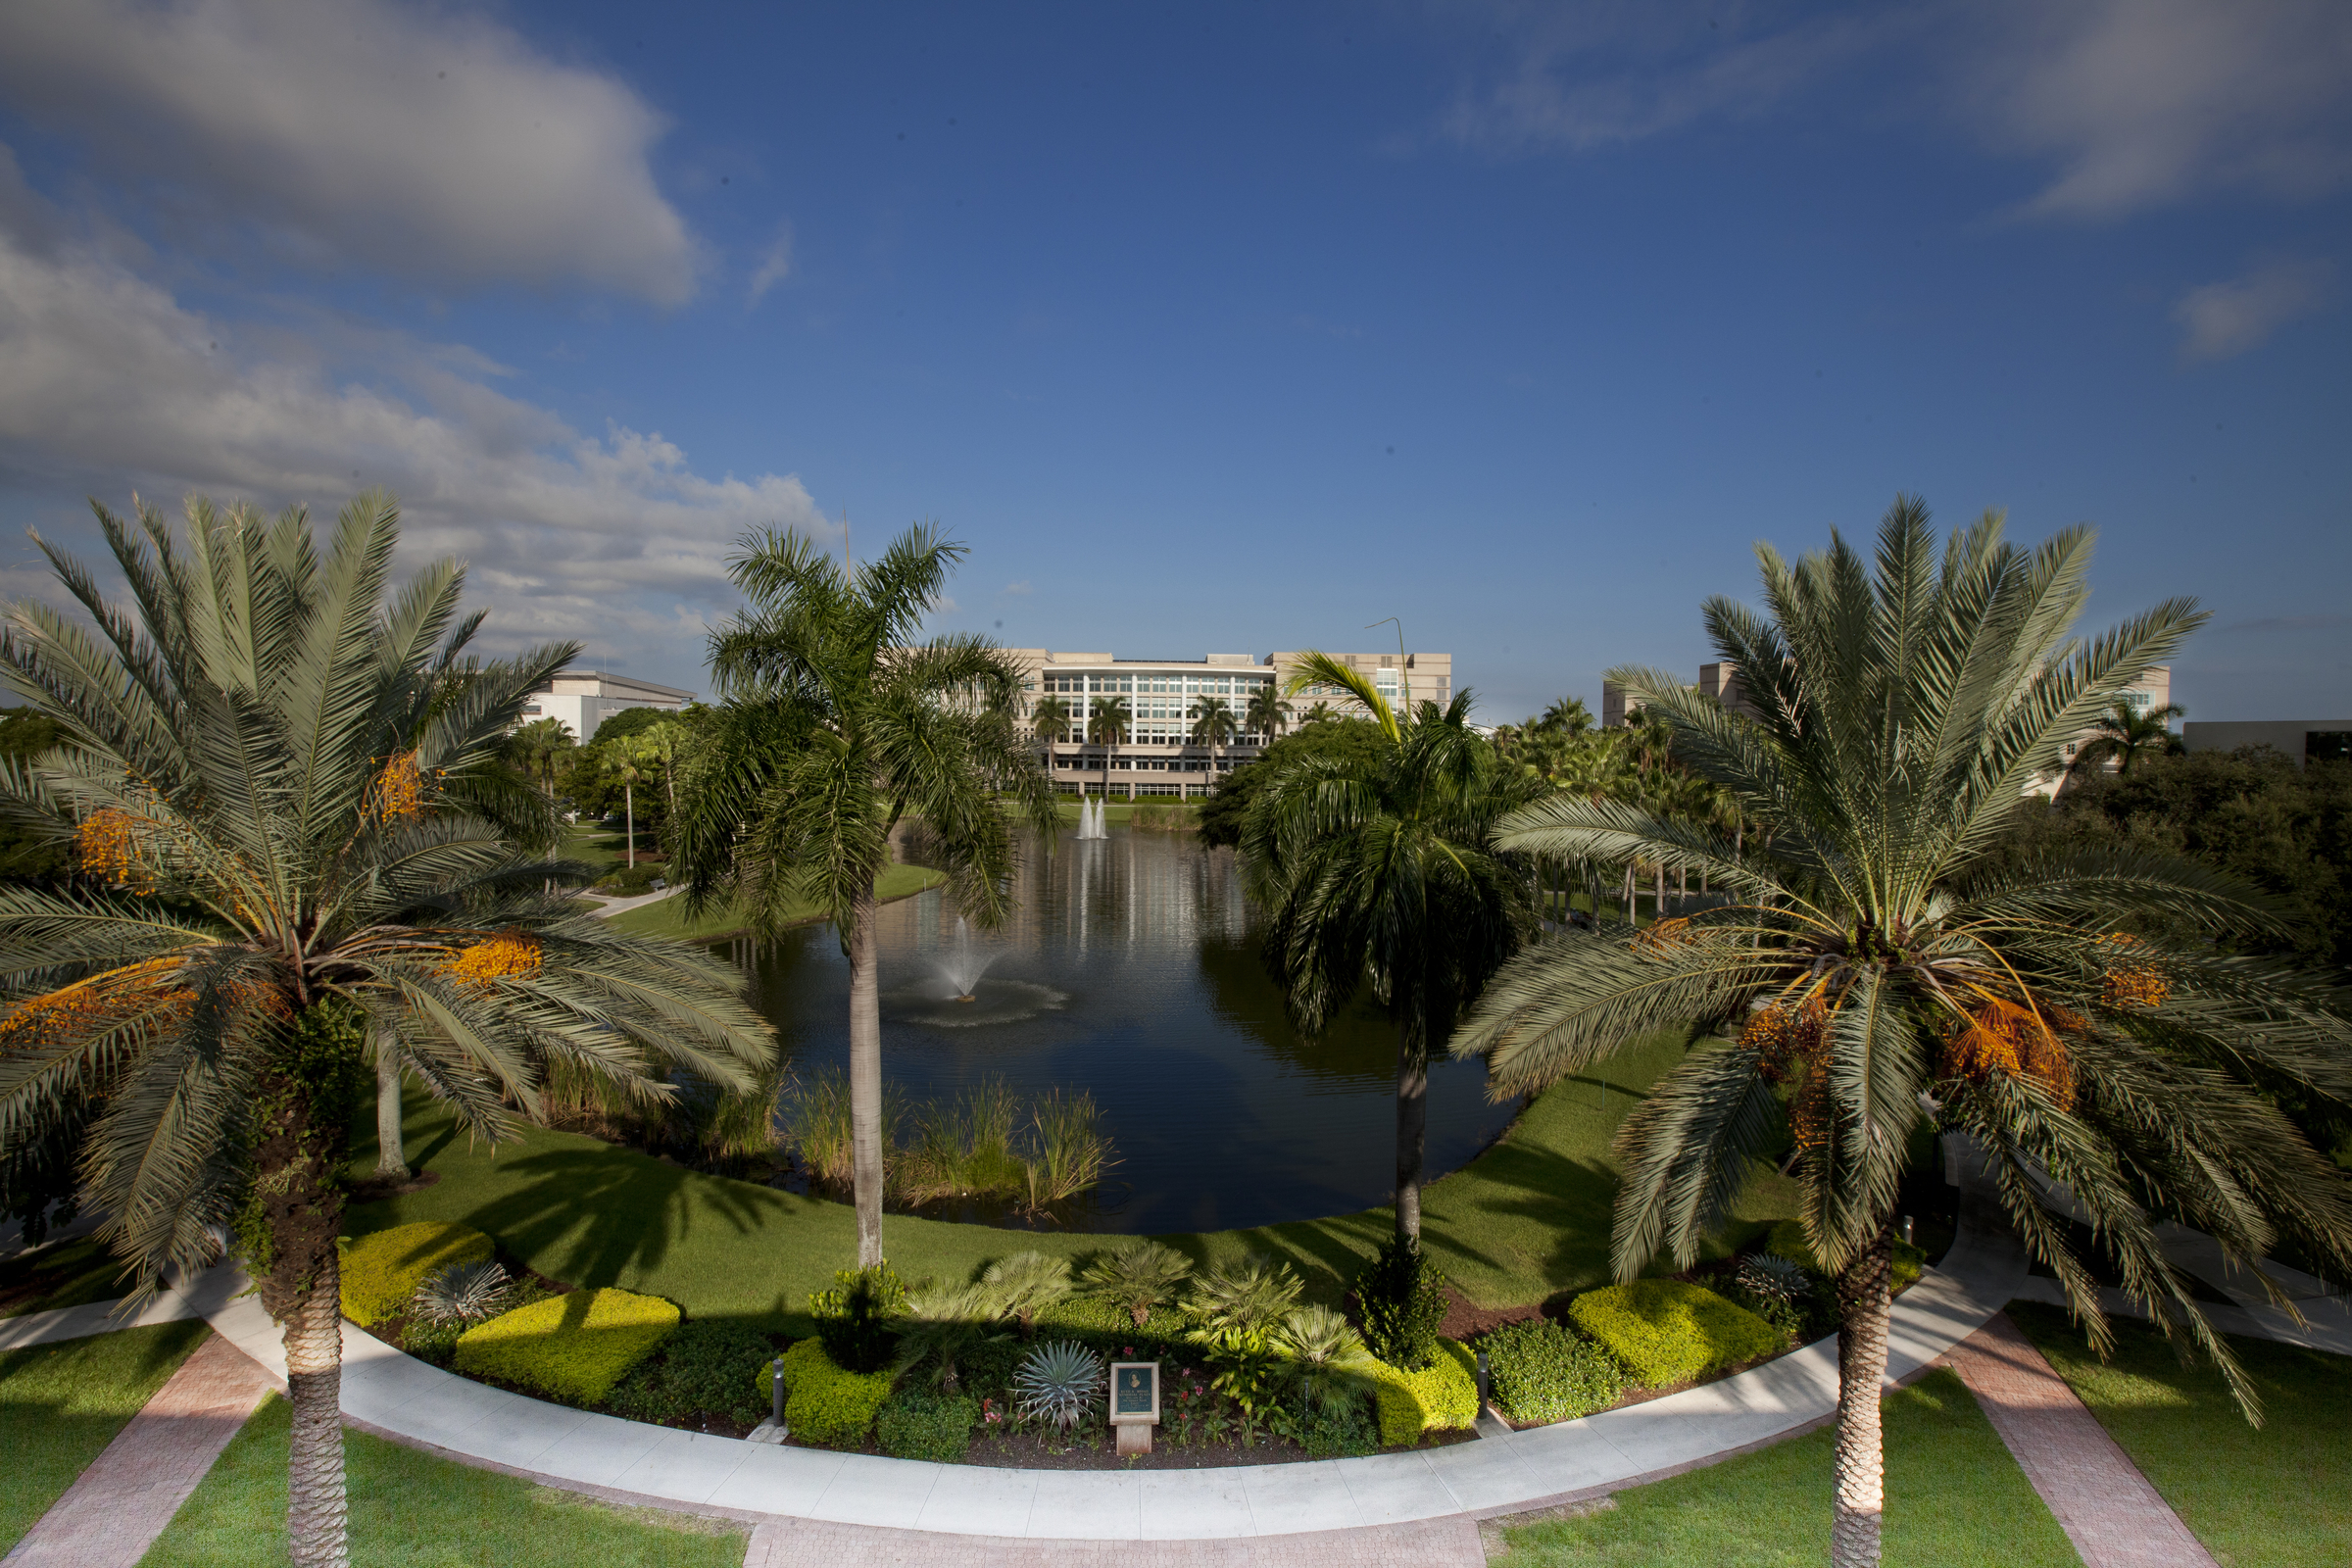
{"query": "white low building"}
[(583, 699)]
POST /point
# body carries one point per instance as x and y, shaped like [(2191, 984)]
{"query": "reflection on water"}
[(1130, 969)]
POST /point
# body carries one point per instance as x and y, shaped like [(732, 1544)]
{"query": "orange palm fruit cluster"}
[(1663, 936), (2131, 985), (1793, 1043), (398, 793), (504, 957), (2009, 1037), (107, 845)]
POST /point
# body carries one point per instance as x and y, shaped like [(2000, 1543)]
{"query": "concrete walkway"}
[(96, 1317), (115, 1509), (2097, 1495), (399, 1396)]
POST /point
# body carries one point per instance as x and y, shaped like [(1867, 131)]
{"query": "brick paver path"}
[(113, 1511), (812, 1543), (2105, 1505)]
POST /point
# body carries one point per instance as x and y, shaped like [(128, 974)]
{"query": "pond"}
[(1130, 970)]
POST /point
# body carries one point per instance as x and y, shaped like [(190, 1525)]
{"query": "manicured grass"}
[(1955, 1500), (2256, 1497), (62, 1404), (412, 1511), (1122, 809), (667, 918), (1527, 1219), (70, 1274)]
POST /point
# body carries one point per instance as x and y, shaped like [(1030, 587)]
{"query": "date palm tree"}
[(2127, 734), (1213, 727), (1384, 873), (1887, 965), (836, 724), (255, 781), (1267, 714), (1113, 717)]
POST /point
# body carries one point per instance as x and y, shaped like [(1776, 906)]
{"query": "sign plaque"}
[(1134, 1403)]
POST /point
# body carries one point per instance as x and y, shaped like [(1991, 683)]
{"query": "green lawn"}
[(1526, 1220), (667, 918), (1122, 809), (71, 1274), (1955, 1500), (412, 1511), (2256, 1497), (62, 1404)]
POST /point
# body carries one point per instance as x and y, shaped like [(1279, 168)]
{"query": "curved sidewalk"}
[(1501, 1472)]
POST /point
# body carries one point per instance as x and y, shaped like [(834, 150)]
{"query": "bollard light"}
[(1483, 1381), (1906, 1229), (776, 1385)]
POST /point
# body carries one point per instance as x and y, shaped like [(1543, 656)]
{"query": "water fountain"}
[(963, 967), (1092, 820)]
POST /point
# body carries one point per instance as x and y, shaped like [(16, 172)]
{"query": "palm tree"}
[(1317, 713), (538, 743), (1052, 720), (629, 761), (1267, 714), (1113, 717), (837, 724), (276, 877), (1383, 874), (1567, 716), (1213, 728), (1888, 965), (659, 744), (2127, 734)]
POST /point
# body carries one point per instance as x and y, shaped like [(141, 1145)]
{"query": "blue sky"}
[(1208, 327)]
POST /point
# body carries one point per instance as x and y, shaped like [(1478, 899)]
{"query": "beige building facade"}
[(583, 699), (1158, 755)]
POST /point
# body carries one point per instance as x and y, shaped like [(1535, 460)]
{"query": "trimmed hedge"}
[(1443, 1397), (382, 1271), (706, 1368), (1666, 1331), (822, 1403), (1543, 1373), (916, 1423), (1787, 1240), (573, 1346)]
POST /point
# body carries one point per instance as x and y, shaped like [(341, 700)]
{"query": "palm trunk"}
[(628, 795), (317, 1516), (1657, 899), (1861, 1370), (391, 1154), (1412, 1126), (865, 1078)]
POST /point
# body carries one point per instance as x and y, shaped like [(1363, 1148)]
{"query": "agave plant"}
[(1138, 1276), (1057, 1381), (461, 1293), (943, 1324), (1026, 1284), (1779, 1279)]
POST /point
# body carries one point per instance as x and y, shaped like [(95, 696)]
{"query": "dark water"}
[(1130, 969)]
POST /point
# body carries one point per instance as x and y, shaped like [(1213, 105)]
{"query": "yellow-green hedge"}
[(382, 1270), (1443, 1396), (1666, 1331), (573, 1346), (822, 1402)]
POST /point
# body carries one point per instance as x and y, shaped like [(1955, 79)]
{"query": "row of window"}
[(1177, 685), (1142, 765)]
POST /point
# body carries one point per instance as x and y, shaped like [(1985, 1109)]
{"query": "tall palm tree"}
[(659, 747), (1382, 873), (1887, 965), (1050, 718), (1267, 714), (1108, 726), (538, 743), (1317, 713), (254, 783), (837, 724), (1566, 717), (627, 759), (2127, 734), (1214, 726)]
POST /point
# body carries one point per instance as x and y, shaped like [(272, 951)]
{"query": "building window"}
[(2327, 745)]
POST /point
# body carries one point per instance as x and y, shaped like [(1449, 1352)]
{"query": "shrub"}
[(461, 1293), (1138, 1276), (1024, 1285), (852, 1318), (1541, 1372), (1401, 1295), (573, 1346), (1443, 1396), (823, 1404), (1665, 1331), (702, 1369), (382, 1270), (915, 1424)]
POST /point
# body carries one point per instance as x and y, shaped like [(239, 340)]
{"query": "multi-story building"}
[(583, 699), (1157, 755), (1720, 681), (2306, 740)]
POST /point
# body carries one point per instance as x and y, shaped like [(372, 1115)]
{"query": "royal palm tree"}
[(1108, 727), (1267, 714), (1214, 726), (1887, 965), (2127, 734), (1382, 873), (1050, 718), (837, 723), (253, 785), (657, 746), (537, 745)]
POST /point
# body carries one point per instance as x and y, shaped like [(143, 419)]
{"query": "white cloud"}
[(110, 384), (2144, 102), (426, 143), (1587, 76), (2228, 318), (1020, 587), (775, 264)]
